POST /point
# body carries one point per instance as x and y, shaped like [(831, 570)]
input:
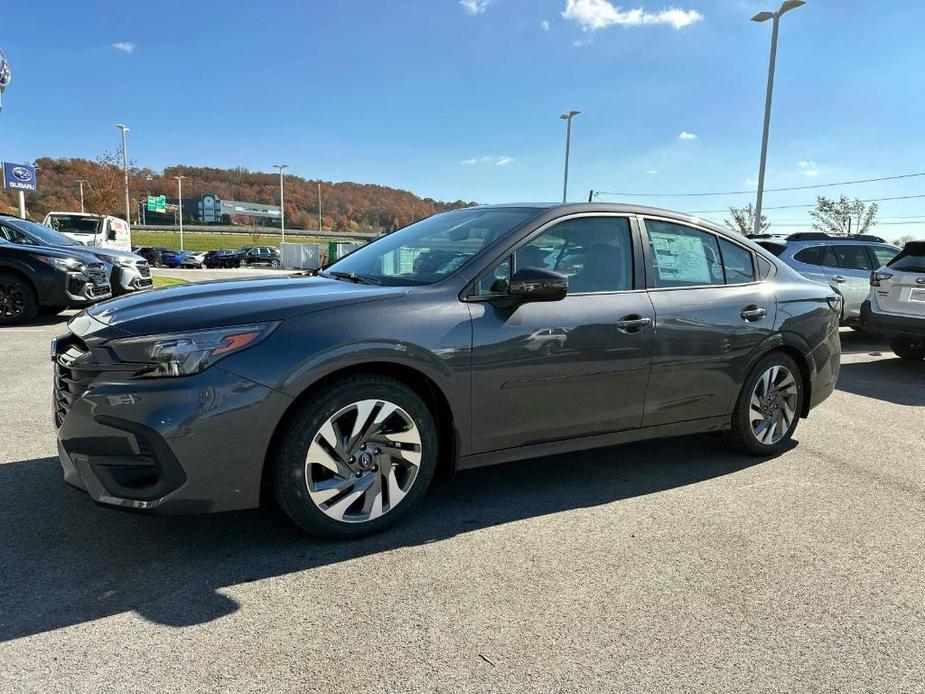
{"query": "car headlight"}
[(184, 354), (66, 264)]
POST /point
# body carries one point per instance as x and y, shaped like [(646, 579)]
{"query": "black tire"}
[(741, 437), (274, 263), (51, 310), (288, 457), (18, 303), (908, 348), (242, 263)]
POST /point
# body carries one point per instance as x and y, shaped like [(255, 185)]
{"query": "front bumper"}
[(888, 324), (73, 289), (130, 278), (195, 444)]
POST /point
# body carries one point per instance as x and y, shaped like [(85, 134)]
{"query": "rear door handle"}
[(839, 279), (753, 313), (633, 324)]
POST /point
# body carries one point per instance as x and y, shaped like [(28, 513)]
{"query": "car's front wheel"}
[(908, 348), (356, 457), (769, 405), (17, 300)]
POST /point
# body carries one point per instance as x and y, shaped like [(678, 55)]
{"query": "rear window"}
[(911, 259), (774, 249)]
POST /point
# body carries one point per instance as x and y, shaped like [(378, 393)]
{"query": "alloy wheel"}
[(773, 404), (363, 461), (12, 300)]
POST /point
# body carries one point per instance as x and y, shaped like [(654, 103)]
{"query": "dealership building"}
[(210, 209)]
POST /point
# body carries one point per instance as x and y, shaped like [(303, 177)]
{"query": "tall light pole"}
[(282, 201), (763, 17), (180, 194), (81, 184), (319, 206), (567, 117), (128, 214)]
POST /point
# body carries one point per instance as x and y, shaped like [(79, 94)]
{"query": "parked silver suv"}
[(844, 263)]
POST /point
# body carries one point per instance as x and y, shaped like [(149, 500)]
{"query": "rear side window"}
[(737, 263), (810, 256), (883, 255), (682, 256), (774, 248), (853, 257)]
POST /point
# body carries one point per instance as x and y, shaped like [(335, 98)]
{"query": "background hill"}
[(346, 206)]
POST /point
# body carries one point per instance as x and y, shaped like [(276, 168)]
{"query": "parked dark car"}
[(340, 392), (43, 280), (259, 255), (130, 272), (221, 258), (149, 253)]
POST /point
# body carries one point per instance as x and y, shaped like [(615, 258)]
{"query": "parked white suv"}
[(896, 303)]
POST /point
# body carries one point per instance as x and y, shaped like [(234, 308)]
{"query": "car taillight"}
[(876, 277)]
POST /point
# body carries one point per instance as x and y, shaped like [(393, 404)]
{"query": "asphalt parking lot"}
[(662, 566)]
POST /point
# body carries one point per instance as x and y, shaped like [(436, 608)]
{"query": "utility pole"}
[(319, 206), (567, 117), (282, 201), (128, 209), (81, 183)]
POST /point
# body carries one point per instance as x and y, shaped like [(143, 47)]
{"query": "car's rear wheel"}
[(908, 348), (769, 405), (274, 263), (242, 262), (17, 300), (356, 457)]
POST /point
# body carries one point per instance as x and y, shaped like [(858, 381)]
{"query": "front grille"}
[(73, 375), (97, 273), (144, 269)]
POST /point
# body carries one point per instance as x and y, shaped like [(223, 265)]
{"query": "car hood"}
[(232, 302), (114, 254), (78, 252)]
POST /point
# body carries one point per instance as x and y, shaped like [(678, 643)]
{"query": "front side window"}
[(682, 256), (430, 250), (737, 263)]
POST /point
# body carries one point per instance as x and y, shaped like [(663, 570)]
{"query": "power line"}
[(796, 207), (766, 190)]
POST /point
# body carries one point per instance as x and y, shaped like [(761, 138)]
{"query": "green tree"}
[(743, 220), (843, 216)]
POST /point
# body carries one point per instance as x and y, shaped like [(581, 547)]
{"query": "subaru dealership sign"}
[(18, 176)]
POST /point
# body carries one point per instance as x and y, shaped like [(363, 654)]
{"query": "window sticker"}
[(680, 258)]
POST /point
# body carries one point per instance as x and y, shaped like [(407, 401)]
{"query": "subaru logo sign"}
[(19, 176), (21, 173)]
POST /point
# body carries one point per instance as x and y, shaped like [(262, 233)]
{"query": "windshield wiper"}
[(353, 277)]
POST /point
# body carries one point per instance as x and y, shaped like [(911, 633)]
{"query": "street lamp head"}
[(123, 128), (790, 5), (763, 16), (569, 115), (281, 166)]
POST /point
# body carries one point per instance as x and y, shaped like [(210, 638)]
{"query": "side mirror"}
[(111, 235), (538, 284)]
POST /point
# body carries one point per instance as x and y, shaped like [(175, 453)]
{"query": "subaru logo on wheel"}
[(920, 280), (21, 173)]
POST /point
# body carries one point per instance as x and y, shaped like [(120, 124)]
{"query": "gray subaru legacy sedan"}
[(473, 337)]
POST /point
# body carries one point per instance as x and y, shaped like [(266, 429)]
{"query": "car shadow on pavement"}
[(856, 342), (899, 381), (65, 561)]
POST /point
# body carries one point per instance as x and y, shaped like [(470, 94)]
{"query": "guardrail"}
[(228, 230)]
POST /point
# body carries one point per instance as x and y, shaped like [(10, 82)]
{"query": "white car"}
[(194, 259), (896, 304)]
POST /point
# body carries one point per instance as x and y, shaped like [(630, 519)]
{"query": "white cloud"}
[(124, 46), (751, 182), (545, 25), (684, 135), (489, 160), (808, 167), (651, 172), (474, 6), (592, 15)]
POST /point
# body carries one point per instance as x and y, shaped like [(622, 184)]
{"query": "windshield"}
[(32, 233), (74, 224), (429, 250)]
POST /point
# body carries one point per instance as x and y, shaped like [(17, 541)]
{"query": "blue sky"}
[(461, 99)]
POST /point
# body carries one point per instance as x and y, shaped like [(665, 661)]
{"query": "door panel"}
[(546, 371), (702, 348), (852, 276)]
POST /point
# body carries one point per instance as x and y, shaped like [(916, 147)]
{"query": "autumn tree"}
[(743, 220), (843, 216)]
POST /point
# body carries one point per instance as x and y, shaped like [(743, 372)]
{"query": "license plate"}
[(917, 295)]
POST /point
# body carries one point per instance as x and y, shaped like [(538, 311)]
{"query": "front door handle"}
[(633, 324), (753, 313), (839, 279)]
